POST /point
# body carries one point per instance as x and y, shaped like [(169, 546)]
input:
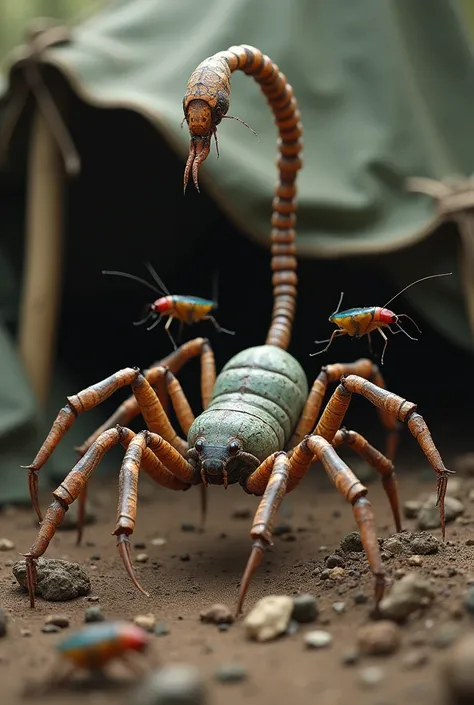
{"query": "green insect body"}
[(257, 399)]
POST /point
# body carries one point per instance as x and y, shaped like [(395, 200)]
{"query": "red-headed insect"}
[(358, 322), (93, 647), (186, 309)]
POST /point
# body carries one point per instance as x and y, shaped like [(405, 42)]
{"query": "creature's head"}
[(202, 119), (221, 463), (386, 316)]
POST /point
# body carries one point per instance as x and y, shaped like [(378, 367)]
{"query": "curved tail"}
[(205, 104)]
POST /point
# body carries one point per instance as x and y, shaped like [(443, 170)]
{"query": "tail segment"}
[(205, 104)]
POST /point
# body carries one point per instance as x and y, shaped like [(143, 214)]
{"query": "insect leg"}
[(385, 344), (167, 329), (402, 330), (338, 331), (369, 339), (377, 460), (315, 447), (218, 327), (128, 489), (332, 373), (406, 412), (269, 479)]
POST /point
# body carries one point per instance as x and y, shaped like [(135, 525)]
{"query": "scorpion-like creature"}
[(259, 426)]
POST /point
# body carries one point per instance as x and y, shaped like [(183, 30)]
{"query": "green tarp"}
[(386, 92)]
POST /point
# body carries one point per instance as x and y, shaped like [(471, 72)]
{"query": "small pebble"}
[(446, 635), (217, 614), (360, 598), (393, 546), (339, 607), (424, 544), (458, 672), (241, 513), (60, 620), (145, 621), (334, 561), (428, 517), (350, 658), (317, 639), (142, 558), (371, 676), (161, 629), (469, 542), (269, 617), (379, 638), (139, 545), (188, 527), (185, 557), (6, 545), (411, 509), (292, 628), (469, 601), (58, 580), (50, 628), (158, 542), (414, 659), (282, 529), (3, 623), (26, 632), (351, 543), (171, 685), (407, 595), (336, 573), (231, 673), (94, 614), (415, 560), (305, 608), (223, 627)]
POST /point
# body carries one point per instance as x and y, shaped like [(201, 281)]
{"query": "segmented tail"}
[(205, 104)]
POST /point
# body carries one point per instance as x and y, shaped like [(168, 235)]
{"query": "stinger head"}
[(202, 126)]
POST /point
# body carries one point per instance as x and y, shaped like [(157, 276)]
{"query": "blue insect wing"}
[(365, 310), (89, 636), (192, 300)]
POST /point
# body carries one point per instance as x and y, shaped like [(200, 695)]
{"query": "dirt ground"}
[(278, 672)]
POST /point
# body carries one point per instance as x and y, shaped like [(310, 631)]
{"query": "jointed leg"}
[(174, 362), (382, 465), (176, 474), (405, 411), (315, 447), (269, 479), (333, 373)]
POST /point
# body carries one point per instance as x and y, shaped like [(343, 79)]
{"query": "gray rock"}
[(446, 635), (393, 546), (423, 544), (335, 561), (94, 614), (407, 595), (411, 509), (305, 608), (161, 629), (371, 676), (428, 516), (57, 580), (458, 672), (171, 685), (50, 628), (231, 673), (217, 614), (351, 543), (3, 623)]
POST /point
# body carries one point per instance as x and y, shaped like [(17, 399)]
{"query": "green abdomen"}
[(258, 397)]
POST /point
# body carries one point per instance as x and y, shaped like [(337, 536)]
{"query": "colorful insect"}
[(259, 427), (358, 322), (185, 309), (93, 647)]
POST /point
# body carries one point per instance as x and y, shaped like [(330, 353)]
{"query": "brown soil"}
[(278, 672)]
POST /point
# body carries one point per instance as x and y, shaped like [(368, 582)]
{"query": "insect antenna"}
[(157, 278), (232, 117), (431, 276), (135, 278), (405, 315), (336, 311), (148, 315)]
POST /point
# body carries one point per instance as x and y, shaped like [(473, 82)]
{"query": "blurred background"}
[(91, 166)]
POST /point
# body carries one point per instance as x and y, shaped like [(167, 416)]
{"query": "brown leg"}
[(76, 481), (351, 489), (333, 373), (128, 487), (269, 479), (382, 465), (405, 411), (154, 375)]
